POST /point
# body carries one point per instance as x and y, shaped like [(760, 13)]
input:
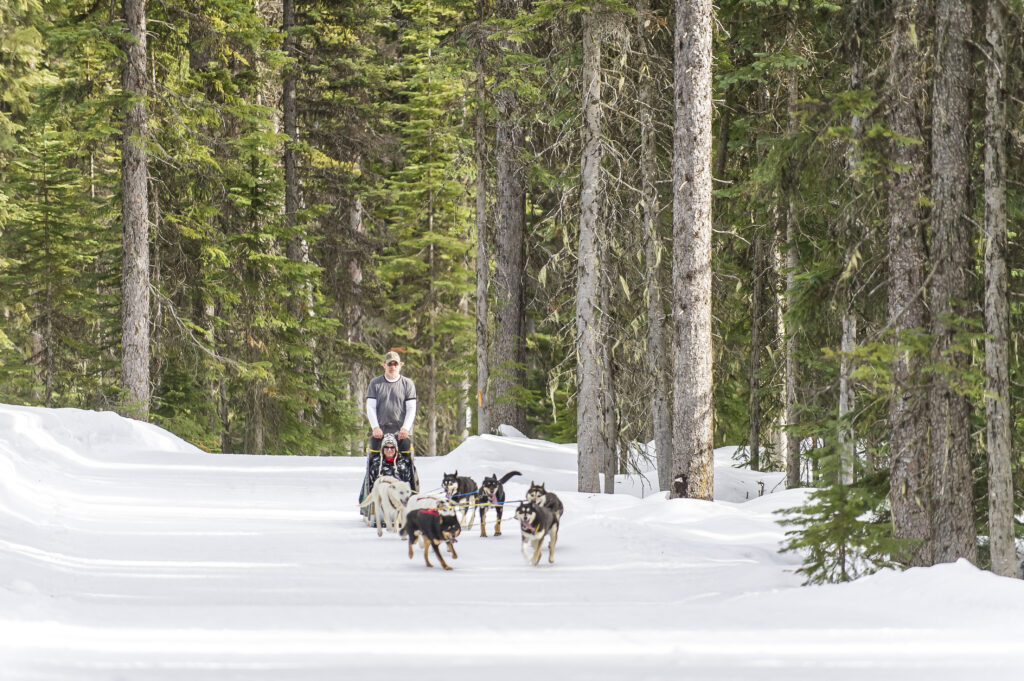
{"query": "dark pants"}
[(404, 446)]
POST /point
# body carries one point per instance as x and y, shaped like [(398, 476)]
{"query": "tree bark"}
[(754, 421), (483, 425), (657, 347), (953, 531), (851, 229), (693, 459), (590, 369), (509, 346), (135, 218), (788, 438), (360, 376), (997, 381), (298, 247), (909, 492)]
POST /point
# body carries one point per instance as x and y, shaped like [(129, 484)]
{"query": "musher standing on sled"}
[(391, 410)]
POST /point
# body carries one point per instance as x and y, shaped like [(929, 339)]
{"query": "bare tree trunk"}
[(790, 439), (953, 531), (657, 347), (360, 377), (483, 425), (780, 438), (609, 411), (757, 285), (591, 372), (792, 261), (909, 492), (255, 422), (298, 248), (509, 347), (692, 437), (431, 407), (226, 445), (997, 386), (135, 218), (851, 231)]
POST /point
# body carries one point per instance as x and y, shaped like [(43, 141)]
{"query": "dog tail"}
[(508, 476)]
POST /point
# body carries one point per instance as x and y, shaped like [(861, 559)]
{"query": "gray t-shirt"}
[(391, 400)]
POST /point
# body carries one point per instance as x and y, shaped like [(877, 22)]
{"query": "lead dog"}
[(548, 500), (492, 493), (537, 523), (386, 501), (432, 526)]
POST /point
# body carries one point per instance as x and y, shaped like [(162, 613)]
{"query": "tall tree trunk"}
[(657, 346), (289, 111), (789, 190), (997, 385), (609, 411), (779, 437), (692, 437), (789, 439), (590, 369), (909, 492), (851, 230), (953, 531), (360, 376), (255, 422), (135, 218), (483, 424), (509, 347), (298, 246), (754, 423)]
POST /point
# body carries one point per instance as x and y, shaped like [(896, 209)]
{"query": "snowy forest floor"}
[(126, 553)]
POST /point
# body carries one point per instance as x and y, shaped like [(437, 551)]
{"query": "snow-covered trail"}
[(128, 554)]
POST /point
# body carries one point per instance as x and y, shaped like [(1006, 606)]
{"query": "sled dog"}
[(492, 493), (462, 491), (548, 500), (537, 523), (386, 502), (432, 527)]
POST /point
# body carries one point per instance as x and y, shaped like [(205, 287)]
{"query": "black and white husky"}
[(462, 491), (537, 523), (548, 500), (492, 493)]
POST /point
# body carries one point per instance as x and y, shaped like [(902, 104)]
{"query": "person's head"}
[(392, 364), (389, 447)]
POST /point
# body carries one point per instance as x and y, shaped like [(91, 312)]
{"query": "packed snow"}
[(126, 553)]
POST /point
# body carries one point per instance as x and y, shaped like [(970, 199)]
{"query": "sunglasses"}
[(389, 446), (393, 364)]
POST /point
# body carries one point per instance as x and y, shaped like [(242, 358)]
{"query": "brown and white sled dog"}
[(461, 491), (537, 523), (492, 493), (433, 526), (548, 500), (386, 502)]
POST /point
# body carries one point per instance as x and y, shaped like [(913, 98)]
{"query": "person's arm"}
[(371, 414), (410, 415)]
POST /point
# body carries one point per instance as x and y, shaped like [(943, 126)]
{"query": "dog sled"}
[(402, 467)]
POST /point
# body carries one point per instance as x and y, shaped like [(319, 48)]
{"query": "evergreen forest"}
[(790, 225)]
